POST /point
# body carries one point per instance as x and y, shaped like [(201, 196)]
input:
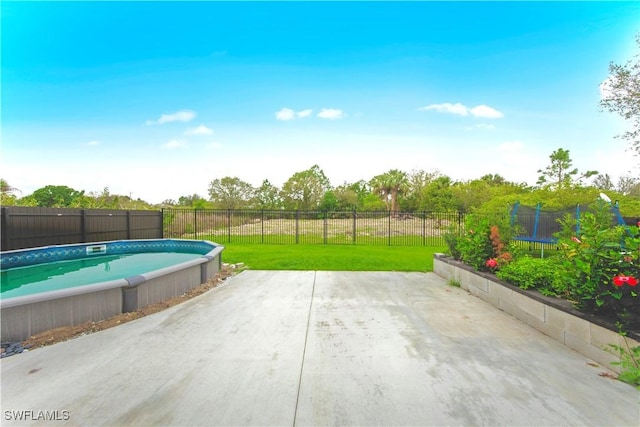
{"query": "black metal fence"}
[(311, 227), (24, 227), (28, 227)]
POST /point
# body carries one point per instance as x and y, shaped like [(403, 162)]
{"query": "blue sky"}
[(157, 99)]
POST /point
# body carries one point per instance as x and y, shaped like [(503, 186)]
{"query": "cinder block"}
[(579, 328), (531, 306), (464, 277), (486, 297), (556, 318), (596, 354), (513, 310), (601, 337), (479, 282), (548, 329), (501, 292)]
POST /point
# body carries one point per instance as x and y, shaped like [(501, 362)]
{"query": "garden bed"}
[(585, 333)]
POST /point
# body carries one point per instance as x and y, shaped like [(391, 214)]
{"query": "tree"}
[(56, 196), (329, 201), (603, 182), (6, 189), (230, 193), (493, 179), (418, 180), (7, 193), (305, 190), (192, 200), (438, 195), (266, 196), (559, 175), (620, 94), (389, 186), (628, 185), (350, 196)]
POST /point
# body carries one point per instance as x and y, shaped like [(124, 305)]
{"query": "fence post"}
[(162, 223), (297, 225), (389, 228), (325, 226), (128, 224), (424, 228), (355, 215), (83, 225), (195, 223), (4, 229), (261, 225), (228, 225)]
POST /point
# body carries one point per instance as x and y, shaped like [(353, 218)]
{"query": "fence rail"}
[(311, 227)]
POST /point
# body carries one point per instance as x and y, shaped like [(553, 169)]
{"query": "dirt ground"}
[(68, 332)]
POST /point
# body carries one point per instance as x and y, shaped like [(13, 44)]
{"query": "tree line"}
[(559, 185)]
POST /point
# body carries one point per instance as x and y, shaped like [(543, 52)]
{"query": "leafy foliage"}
[(56, 196), (629, 361), (559, 174), (486, 237), (230, 193), (621, 95), (305, 189), (389, 186), (528, 272), (590, 261)]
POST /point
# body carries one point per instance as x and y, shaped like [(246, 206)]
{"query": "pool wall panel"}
[(22, 321), (22, 317)]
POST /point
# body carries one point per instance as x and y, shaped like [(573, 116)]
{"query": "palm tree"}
[(389, 185), (5, 188)]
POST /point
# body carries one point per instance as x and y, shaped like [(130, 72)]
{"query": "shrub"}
[(451, 239), (485, 244), (528, 272), (595, 263)]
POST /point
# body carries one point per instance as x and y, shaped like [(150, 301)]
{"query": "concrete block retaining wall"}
[(553, 317)]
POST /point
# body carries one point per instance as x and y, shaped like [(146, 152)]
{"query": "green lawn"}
[(331, 257)]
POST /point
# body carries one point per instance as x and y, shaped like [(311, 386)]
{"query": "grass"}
[(331, 257)]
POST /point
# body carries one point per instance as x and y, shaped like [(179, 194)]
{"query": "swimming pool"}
[(53, 286)]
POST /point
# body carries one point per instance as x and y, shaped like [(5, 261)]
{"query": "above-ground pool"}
[(48, 287)]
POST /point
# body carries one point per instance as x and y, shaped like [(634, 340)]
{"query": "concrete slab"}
[(317, 348)]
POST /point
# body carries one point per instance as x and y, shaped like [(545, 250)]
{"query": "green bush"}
[(486, 237), (451, 239), (527, 272), (593, 263)]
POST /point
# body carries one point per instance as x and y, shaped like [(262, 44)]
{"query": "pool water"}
[(57, 275)]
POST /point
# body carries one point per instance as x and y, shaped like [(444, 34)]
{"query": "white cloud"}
[(486, 112), (179, 116), (459, 109), (175, 143), (93, 143), (286, 114), (447, 107), (330, 113), (304, 113), (200, 130), (213, 146)]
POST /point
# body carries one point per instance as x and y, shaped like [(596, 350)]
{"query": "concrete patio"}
[(318, 348)]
